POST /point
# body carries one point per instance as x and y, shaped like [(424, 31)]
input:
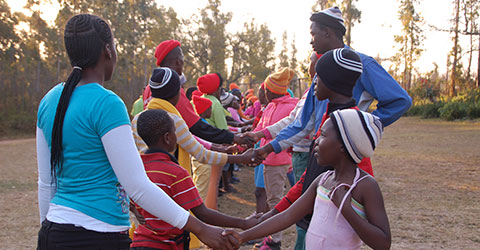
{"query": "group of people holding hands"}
[(95, 165)]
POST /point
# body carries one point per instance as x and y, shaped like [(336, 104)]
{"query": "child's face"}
[(328, 147), (261, 96), (207, 113), (235, 104), (321, 91), (269, 95), (238, 95)]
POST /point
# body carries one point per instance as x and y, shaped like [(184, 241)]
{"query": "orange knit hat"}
[(278, 82), (234, 86)]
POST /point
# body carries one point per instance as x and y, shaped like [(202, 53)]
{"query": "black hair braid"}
[(85, 37)]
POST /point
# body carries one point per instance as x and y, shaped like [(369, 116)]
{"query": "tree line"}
[(458, 78), (33, 57)]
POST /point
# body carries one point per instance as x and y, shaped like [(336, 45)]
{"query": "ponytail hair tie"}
[(77, 67)]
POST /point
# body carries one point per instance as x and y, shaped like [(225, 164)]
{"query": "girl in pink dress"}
[(347, 203)]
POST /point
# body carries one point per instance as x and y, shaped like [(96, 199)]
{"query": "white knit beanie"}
[(360, 132), (226, 98)]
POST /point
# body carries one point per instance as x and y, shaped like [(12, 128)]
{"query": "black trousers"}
[(54, 236)]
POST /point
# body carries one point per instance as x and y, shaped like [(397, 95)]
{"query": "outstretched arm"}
[(217, 218), (128, 167), (294, 213)]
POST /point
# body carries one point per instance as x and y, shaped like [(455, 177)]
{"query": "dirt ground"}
[(428, 171)]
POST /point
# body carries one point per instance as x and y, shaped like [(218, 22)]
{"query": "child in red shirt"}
[(158, 131)]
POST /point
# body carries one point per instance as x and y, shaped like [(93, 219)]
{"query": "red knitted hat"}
[(201, 104), (208, 83), (164, 48), (197, 93)]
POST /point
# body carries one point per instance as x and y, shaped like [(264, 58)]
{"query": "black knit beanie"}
[(164, 83), (339, 70)]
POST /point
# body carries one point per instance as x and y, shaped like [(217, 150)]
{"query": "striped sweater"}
[(185, 140)]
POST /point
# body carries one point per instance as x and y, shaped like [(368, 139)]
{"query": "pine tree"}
[(283, 57), (456, 50), (293, 56), (351, 15), (409, 41)]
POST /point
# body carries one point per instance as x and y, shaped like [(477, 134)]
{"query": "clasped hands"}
[(249, 139), (230, 239)]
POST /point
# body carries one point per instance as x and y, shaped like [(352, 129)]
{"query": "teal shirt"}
[(217, 119), (87, 182)]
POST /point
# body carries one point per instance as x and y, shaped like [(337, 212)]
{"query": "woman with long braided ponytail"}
[(88, 165)]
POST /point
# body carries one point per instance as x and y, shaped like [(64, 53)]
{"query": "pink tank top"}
[(328, 228)]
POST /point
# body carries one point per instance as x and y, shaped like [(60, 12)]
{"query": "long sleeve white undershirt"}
[(128, 167), (46, 189)]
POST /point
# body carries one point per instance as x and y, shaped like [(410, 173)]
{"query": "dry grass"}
[(427, 170)]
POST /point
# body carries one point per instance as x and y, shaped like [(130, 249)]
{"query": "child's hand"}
[(217, 238), (233, 237), (246, 128), (252, 136), (242, 140), (252, 220), (249, 158), (231, 149)]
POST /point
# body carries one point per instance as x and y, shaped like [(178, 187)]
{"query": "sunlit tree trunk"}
[(453, 77)]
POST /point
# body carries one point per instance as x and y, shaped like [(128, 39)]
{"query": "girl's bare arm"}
[(375, 230), (294, 213)]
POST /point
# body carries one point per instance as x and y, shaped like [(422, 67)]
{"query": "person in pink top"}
[(276, 165), (257, 106), (347, 204)]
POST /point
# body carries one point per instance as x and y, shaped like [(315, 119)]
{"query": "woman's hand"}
[(215, 238), (233, 235)]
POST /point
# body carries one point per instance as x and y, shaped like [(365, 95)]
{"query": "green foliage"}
[(15, 123), (252, 53), (429, 110), (409, 41), (32, 61), (463, 106), (452, 111)]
